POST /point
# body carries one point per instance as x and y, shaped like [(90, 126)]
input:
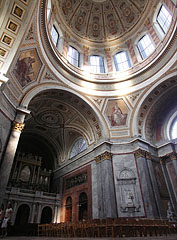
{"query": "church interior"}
[(88, 110)]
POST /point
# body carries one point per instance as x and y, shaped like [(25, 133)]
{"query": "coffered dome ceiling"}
[(100, 20)]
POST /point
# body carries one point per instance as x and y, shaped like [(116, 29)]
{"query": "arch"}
[(22, 216), (40, 88), (68, 209), (140, 105), (46, 215), (83, 206), (154, 105)]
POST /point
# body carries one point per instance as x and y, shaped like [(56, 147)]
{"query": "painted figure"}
[(117, 116)]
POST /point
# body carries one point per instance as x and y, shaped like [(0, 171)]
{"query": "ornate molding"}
[(104, 156), (18, 126)]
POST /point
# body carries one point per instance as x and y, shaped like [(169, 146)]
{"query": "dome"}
[(100, 21)]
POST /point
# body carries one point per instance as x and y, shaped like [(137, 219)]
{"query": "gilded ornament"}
[(140, 153), (106, 156), (18, 126), (98, 159)]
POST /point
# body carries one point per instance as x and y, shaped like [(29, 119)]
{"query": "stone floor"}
[(169, 237)]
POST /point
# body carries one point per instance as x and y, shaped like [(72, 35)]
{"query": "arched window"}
[(79, 146), (73, 56), (145, 46), (174, 129), (164, 19), (122, 61), (96, 64), (55, 36)]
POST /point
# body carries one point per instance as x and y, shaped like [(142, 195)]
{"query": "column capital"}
[(85, 48), (104, 156), (170, 156), (107, 49), (142, 153), (147, 22), (18, 126), (128, 41), (67, 36)]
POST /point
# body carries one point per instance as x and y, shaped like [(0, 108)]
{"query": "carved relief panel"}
[(128, 191), (127, 186)]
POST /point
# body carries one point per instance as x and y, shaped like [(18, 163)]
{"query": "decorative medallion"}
[(50, 119)]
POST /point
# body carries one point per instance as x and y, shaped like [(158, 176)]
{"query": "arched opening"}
[(22, 216), (68, 212), (46, 216), (83, 206)]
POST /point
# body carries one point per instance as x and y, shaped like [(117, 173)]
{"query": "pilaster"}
[(109, 60), (142, 158), (105, 206)]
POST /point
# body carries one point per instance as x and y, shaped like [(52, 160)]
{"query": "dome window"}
[(174, 129), (79, 146), (164, 19), (145, 46), (73, 56), (55, 36), (96, 64), (122, 61)]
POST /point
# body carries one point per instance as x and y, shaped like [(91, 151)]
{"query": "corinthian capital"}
[(18, 126)]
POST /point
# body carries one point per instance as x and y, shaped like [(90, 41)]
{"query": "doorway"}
[(46, 216), (22, 216)]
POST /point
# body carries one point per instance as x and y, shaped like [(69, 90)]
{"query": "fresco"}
[(116, 112), (27, 67)]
